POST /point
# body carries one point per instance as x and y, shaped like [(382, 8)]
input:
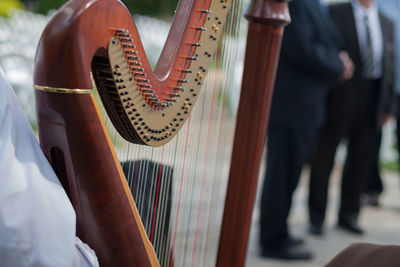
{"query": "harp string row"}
[(166, 182)]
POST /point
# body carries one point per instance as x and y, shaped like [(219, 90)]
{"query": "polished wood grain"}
[(72, 132), (107, 218), (266, 21), (145, 106), (82, 29), (74, 139)]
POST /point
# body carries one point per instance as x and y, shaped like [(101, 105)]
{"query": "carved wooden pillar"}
[(267, 19)]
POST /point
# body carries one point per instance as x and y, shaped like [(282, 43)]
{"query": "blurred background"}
[(21, 24), (18, 46), (158, 8)]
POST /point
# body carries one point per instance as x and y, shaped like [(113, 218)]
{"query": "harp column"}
[(267, 19)]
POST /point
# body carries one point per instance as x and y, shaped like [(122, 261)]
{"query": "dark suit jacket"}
[(341, 103), (308, 65)]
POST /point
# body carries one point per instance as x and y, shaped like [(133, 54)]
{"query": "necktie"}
[(369, 51)]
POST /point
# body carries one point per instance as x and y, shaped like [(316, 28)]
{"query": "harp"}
[(127, 213)]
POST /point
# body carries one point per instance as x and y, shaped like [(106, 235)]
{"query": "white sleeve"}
[(37, 221)]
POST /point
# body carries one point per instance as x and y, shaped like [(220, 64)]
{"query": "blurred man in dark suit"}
[(356, 111), (391, 8), (310, 62)]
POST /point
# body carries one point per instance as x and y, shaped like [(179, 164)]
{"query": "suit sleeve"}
[(302, 48), (390, 103)]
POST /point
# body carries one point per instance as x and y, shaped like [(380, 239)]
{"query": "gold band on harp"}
[(63, 90)]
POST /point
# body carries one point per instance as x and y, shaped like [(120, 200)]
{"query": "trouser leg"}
[(354, 173), (273, 226), (321, 166), (374, 181), (286, 154)]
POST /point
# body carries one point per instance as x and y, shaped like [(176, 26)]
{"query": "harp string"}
[(158, 244), (157, 197), (166, 251), (192, 186), (179, 188), (204, 168), (135, 177), (180, 191), (148, 184), (213, 225), (208, 167)]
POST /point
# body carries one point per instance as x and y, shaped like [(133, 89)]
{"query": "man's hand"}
[(385, 118), (348, 66)]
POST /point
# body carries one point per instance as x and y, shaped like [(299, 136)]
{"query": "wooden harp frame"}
[(75, 140)]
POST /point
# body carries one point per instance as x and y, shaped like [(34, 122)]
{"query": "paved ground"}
[(381, 224)]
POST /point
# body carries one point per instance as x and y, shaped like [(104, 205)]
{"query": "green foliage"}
[(34, 127), (390, 166), (43, 6), (6, 5), (160, 8)]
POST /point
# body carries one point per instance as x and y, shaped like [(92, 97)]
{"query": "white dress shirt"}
[(37, 221), (376, 34)]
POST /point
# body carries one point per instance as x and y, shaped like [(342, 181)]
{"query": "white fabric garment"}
[(376, 34), (37, 221)]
